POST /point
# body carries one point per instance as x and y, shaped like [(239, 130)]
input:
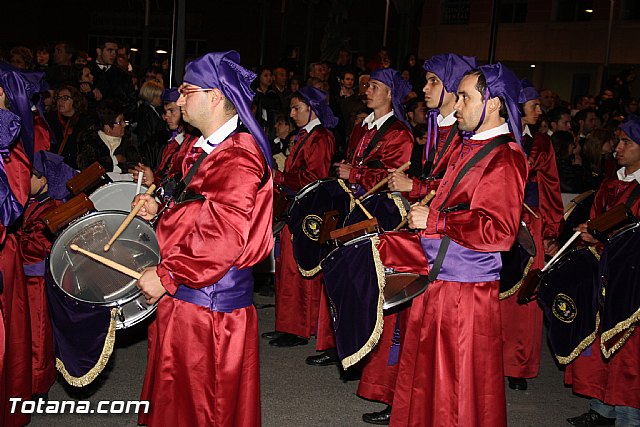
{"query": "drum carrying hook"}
[(121, 314)]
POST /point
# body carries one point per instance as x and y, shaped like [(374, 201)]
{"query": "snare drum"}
[(305, 220), (95, 284), (389, 208), (568, 296), (116, 196), (359, 288)]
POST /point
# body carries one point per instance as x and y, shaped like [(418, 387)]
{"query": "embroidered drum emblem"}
[(564, 308), (311, 226)]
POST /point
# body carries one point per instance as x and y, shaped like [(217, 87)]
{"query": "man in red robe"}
[(451, 364), (297, 297), (203, 366), (613, 383), (522, 324), (383, 141), (443, 74)]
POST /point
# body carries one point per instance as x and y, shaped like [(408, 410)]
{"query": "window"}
[(513, 11), (573, 10), (455, 12)]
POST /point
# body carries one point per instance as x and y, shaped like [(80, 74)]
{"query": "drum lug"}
[(140, 306), (121, 314)]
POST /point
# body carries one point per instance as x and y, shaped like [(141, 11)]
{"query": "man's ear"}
[(98, 52), (493, 104)]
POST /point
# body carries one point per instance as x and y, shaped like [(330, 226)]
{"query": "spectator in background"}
[(151, 130), (547, 100), (82, 58), (597, 154), (416, 112), (43, 56), (21, 57), (109, 143), (360, 65), (280, 87), (284, 128), (294, 83), (586, 120), (559, 119), (62, 71), (266, 100), (574, 176), (85, 84), (68, 119), (111, 81)]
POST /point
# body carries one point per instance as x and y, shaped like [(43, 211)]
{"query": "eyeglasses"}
[(121, 123), (184, 91), (62, 98)]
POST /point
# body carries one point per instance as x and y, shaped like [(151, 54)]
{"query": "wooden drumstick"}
[(423, 202), (128, 219), (384, 181), (561, 251), (355, 199), (109, 263), (526, 206)]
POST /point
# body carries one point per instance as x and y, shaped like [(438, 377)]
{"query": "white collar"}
[(628, 178), (446, 121), (103, 67), (527, 131), (212, 141), (179, 138), (491, 133), (549, 132), (370, 122), (312, 123)]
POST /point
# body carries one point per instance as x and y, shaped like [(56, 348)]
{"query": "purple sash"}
[(531, 195), (461, 264), (233, 291), (36, 269)]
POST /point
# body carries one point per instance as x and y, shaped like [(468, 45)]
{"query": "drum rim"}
[(117, 303)]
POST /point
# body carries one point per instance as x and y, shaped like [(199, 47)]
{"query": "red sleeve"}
[(312, 162), (419, 189), (201, 240), (392, 151), (496, 193), (18, 169), (551, 206), (35, 242)]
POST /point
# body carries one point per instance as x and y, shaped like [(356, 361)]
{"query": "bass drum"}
[(116, 196), (389, 208), (94, 284)]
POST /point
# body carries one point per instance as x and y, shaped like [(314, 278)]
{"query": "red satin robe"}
[(35, 245), (450, 371), (171, 159), (615, 381), (522, 324), (16, 380), (299, 299), (41, 134), (392, 150), (420, 187), (203, 366)]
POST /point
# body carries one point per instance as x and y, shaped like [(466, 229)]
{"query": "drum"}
[(576, 213), (95, 284), (116, 196), (359, 288), (389, 208), (568, 296), (620, 275), (282, 198), (305, 221), (516, 262)]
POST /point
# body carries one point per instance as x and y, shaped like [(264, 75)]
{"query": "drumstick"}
[(526, 206), (423, 202), (128, 219), (109, 263), (139, 184), (562, 249), (384, 181), (366, 212)]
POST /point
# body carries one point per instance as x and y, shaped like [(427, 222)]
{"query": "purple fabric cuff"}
[(531, 194), (461, 264), (233, 291), (36, 269)]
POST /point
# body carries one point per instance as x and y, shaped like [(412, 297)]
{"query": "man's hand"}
[(585, 235), (418, 216), (150, 207), (343, 170), (150, 285), (550, 246), (147, 174), (398, 181)]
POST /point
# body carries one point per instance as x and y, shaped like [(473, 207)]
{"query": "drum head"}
[(89, 281), (116, 196)]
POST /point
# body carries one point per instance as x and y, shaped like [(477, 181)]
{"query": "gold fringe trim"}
[(310, 273), (377, 330), (352, 202), (93, 373), (625, 326), (514, 288), (582, 346), (398, 202), (594, 252)]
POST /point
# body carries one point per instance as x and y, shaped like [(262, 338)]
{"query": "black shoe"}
[(329, 357), (288, 340), (517, 383), (381, 418), (350, 374), (272, 335), (591, 419)]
